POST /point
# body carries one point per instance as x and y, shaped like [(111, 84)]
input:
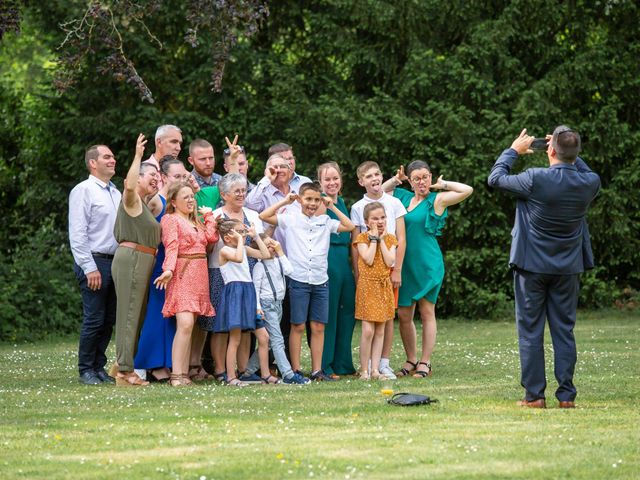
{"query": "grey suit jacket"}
[(550, 234)]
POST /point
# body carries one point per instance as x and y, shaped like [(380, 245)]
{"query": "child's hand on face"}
[(251, 231), (236, 235)]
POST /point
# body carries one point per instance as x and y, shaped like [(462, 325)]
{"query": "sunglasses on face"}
[(227, 151)]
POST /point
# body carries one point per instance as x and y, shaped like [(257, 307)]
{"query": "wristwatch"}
[(373, 238)]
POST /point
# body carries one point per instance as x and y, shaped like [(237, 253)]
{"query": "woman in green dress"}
[(337, 357), (423, 269)]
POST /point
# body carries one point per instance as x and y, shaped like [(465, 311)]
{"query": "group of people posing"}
[(180, 257)]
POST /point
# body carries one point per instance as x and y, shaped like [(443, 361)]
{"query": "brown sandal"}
[(130, 379), (179, 380), (197, 373), (405, 372)]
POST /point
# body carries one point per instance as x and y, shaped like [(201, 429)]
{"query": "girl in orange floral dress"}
[(375, 303)]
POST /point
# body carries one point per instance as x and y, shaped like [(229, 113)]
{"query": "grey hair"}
[(164, 129), (277, 155), (229, 180), (144, 166)]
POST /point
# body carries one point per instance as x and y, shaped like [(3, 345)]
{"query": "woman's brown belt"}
[(189, 257), (140, 248)]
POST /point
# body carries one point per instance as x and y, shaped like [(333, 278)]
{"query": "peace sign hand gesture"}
[(234, 149)]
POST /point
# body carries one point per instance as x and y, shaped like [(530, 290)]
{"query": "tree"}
[(345, 81)]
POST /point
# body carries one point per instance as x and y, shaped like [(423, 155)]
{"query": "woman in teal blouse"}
[(336, 357), (423, 268)]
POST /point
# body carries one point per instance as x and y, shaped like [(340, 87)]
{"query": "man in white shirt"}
[(93, 205)]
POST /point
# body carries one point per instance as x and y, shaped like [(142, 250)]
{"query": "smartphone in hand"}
[(539, 144)]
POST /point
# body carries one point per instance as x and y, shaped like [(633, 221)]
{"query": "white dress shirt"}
[(308, 245), (393, 209), (93, 206), (265, 194)]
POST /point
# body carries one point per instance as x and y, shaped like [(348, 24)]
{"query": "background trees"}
[(449, 82)]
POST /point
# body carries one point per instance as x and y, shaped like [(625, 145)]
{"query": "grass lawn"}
[(53, 427)]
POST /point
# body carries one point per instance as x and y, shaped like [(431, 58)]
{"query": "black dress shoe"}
[(104, 377), (89, 378)]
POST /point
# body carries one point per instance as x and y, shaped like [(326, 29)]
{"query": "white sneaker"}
[(388, 372)]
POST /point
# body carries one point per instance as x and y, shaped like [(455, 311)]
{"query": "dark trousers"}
[(554, 297), (99, 317)]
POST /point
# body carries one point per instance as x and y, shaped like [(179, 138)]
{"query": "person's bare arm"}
[(451, 193), (130, 198), (270, 216), (346, 225), (390, 185), (396, 274), (388, 253), (368, 252)]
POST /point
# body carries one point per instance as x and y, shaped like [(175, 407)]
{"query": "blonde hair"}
[(173, 193), (364, 167), (326, 166)]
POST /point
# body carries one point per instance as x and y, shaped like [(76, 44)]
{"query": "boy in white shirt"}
[(307, 238), (370, 177)]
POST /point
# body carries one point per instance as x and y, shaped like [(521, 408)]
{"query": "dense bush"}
[(350, 81), (39, 291)]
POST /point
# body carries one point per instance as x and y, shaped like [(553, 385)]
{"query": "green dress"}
[(423, 267), (338, 332)]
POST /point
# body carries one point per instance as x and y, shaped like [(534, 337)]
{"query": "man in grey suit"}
[(549, 251)]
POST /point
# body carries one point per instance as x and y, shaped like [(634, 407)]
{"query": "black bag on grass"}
[(410, 399)]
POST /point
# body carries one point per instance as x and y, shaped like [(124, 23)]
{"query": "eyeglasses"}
[(240, 193), (226, 151), (424, 178), (281, 166), (241, 232)]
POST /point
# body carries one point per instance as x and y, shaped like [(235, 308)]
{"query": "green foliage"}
[(449, 82), (40, 293)]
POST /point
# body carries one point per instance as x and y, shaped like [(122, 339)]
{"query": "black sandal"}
[(403, 372), (267, 380), (423, 374)]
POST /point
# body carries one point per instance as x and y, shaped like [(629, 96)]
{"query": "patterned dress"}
[(374, 293), (185, 255)]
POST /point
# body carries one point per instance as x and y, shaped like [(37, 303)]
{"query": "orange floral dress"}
[(186, 256), (375, 301)]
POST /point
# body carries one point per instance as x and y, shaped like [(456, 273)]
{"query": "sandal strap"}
[(267, 378)]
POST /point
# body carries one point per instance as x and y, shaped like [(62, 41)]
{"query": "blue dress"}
[(238, 304), (156, 336)]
